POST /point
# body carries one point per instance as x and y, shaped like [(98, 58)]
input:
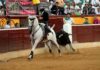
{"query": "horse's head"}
[(32, 20)]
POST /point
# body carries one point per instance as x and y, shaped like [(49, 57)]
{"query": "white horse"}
[(37, 34)]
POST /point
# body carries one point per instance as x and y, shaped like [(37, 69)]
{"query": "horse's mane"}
[(36, 20)]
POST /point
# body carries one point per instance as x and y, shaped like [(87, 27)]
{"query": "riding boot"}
[(47, 30)]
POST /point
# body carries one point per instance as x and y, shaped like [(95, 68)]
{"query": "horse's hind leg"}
[(55, 42), (70, 45), (33, 48), (48, 44)]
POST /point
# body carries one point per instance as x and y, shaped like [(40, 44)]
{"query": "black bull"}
[(63, 38)]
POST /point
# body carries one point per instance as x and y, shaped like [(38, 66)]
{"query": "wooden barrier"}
[(58, 23), (18, 38), (86, 33), (14, 39)]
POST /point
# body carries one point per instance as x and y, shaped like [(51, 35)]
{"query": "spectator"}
[(87, 1), (51, 5), (3, 6), (72, 7), (96, 5), (1, 11), (90, 9), (67, 27), (60, 3), (77, 10), (54, 9), (98, 11), (96, 20), (86, 21), (85, 9), (95, 2), (17, 25), (60, 7), (67, 9), (82, 2), (77, 1), (0, 3), (92, 12), (7, 26), (12, 23)]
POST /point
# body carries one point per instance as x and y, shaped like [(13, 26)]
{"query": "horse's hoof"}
[(30, 57), (50, 50), (59, 52)]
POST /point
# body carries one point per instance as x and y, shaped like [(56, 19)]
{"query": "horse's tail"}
[(53, 26)]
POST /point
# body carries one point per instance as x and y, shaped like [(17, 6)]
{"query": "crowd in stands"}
[(62, 7), (75, 7), (7, 23)]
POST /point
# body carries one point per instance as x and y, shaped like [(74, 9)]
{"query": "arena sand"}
[(86, 59)]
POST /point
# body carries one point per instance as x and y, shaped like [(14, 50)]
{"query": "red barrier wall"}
[(11, 40), (18, 39), (86, 33)]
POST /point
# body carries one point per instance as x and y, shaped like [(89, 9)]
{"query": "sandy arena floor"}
[(87, 59)]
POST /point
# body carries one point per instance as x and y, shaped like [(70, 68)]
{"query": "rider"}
[(44, 19)]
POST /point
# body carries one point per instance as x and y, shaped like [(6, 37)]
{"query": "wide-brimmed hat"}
[(41, 9)]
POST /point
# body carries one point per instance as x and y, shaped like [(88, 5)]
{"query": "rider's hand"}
[(40, 18)]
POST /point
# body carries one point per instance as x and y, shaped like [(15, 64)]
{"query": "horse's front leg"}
[(53, 39), (33, 48), (70, 45)]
